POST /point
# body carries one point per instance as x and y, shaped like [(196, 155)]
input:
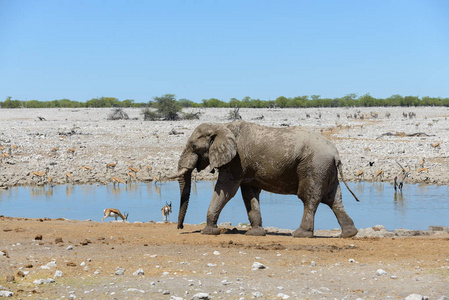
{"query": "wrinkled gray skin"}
[(253, 157)]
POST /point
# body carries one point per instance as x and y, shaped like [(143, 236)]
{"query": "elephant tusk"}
[(179, 174)]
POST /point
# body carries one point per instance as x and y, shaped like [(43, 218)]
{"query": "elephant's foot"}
[(209, 230), (301, 233), (348, 232), (257, 231)]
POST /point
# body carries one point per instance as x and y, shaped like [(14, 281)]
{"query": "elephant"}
[(253, 157)]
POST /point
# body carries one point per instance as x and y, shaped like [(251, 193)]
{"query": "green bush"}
[(149, 115)]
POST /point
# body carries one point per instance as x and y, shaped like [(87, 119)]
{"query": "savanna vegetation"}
[(167, 104)]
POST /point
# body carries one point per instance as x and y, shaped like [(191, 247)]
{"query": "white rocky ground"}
[(98, 141)]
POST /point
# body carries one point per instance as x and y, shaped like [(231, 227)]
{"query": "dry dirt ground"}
[(179, 264)]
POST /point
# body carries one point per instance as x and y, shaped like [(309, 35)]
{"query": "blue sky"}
[(197, 50)]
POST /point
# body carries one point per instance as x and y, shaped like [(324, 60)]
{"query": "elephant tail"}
[(338, 165)]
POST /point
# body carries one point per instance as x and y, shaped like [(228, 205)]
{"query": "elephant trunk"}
[(185, 182)]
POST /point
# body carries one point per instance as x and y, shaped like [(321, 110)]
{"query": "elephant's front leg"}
[(308, 219), (251, 198), (224, 190)]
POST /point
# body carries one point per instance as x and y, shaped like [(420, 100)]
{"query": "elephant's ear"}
[(223, 148)]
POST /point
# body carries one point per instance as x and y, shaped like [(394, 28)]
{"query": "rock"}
[(407, 232), (58, 240), (439, 228), (283, 296), (258, 266), (135, 290), (38, 237), (70, 247), (49, 265), (139, 272), (58, 274), (379, 228), (176, 298), (10, 278), (201, 296), (38, 281), (257, 294), (414, 297), (6, 294), (381, 272), (216, 253), (120, 271), (21, 273), (49, 280)]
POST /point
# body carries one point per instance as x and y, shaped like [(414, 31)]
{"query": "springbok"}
[(111, 166), (379, 174), (166, 210), (113, 212), (117, 180)]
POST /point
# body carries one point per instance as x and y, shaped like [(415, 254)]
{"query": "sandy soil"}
[(184, 263)]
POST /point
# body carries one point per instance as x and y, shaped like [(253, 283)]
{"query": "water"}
[(416, 208)]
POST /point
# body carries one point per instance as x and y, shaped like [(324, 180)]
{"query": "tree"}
[(167, 106), (186, 102), (281, 101)]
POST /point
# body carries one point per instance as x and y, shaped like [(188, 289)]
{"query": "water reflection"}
[(417, 207), (399, 203)]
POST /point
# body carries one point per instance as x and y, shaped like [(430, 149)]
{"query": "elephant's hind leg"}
[(336, 204), (251, 198)]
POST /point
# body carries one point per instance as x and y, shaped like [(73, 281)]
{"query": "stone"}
[(139, 272), (58, 274), (6, 294), (120, 271), (201, 296), (49, 280), (414, 297), (258, 266), (381, 272), (379, 228)]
